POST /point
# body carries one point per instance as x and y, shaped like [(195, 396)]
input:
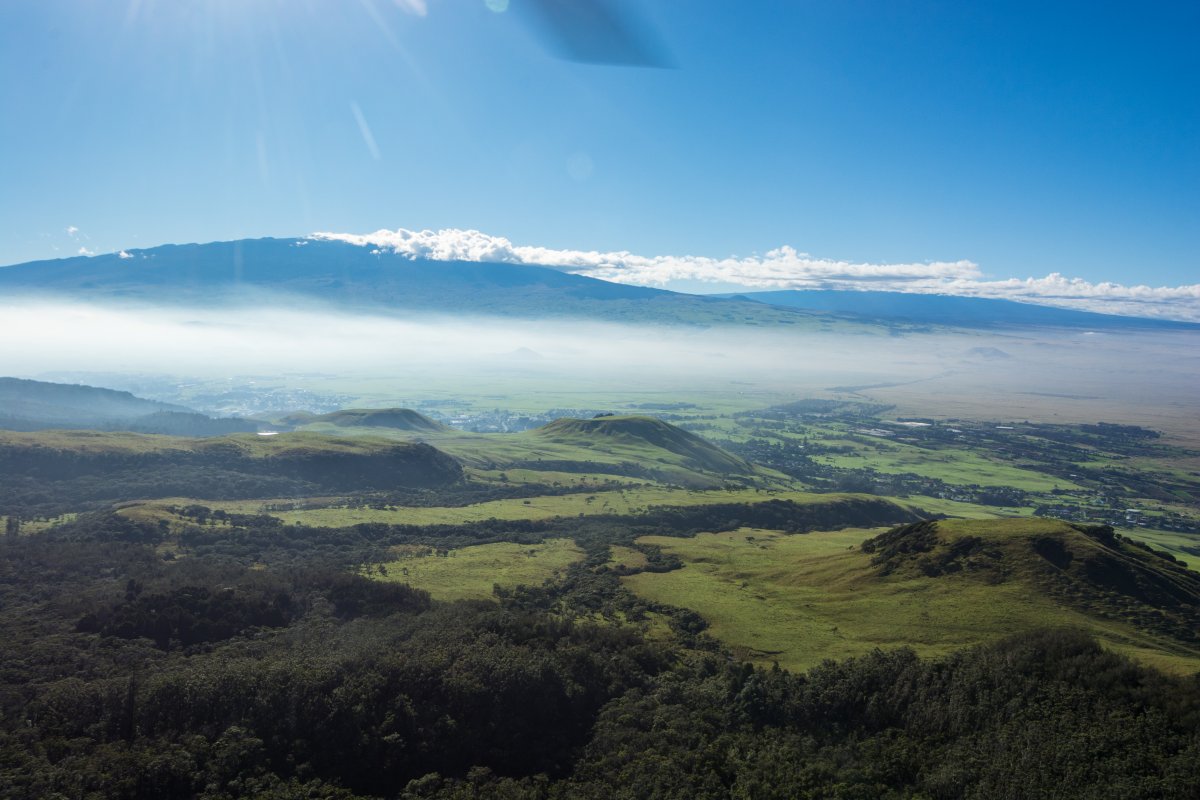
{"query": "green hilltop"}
[(634, 432), (1088, 567), (404, 419)]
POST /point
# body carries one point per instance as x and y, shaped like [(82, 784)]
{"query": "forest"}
[(258, 665)]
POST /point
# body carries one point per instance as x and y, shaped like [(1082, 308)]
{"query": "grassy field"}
[(519, 476), (800, 599), (469, 573), (616, 501), (949, 465), (955, 508), (39, 524), (1184, 546), (626, 557)]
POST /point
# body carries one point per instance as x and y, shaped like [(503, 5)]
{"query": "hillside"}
[(634, 434), (1085, 566), (933, 586), (42, 404), (629, 446), (67, 470)]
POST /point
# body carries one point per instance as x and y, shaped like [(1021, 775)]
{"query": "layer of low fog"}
[(1017, 374)]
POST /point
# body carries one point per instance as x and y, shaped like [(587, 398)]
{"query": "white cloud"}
[(444, 245), (1167, 302), (787, 268), (123, 255), (72, 231), (83, 251)]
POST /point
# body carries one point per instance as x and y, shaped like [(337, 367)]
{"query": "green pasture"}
[(620, 502), (955, 508), (1184, 546), (953, 466), (469, 573)]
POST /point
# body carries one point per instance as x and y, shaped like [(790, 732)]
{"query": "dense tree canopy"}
[(253, 667)]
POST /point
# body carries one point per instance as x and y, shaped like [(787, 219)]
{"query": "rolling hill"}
[(629, 446), (402, 419), (936, 586), (1086, 566), (638, 432)]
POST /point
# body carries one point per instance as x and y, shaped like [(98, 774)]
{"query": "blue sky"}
[(1026, 140)]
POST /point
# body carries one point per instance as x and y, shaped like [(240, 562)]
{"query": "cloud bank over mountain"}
[(787, 268)]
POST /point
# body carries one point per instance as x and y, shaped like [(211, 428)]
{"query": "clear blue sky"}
[(1027, 137)]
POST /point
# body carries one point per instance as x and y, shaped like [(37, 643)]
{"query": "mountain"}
[(27, 405), (963, 312), (361, 278)]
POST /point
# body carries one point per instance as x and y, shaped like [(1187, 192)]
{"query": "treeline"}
[(470, 493)]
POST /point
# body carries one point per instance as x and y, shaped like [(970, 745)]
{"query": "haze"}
[(378, 360)]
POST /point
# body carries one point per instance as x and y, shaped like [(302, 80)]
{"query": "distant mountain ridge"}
[(952, 310)]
